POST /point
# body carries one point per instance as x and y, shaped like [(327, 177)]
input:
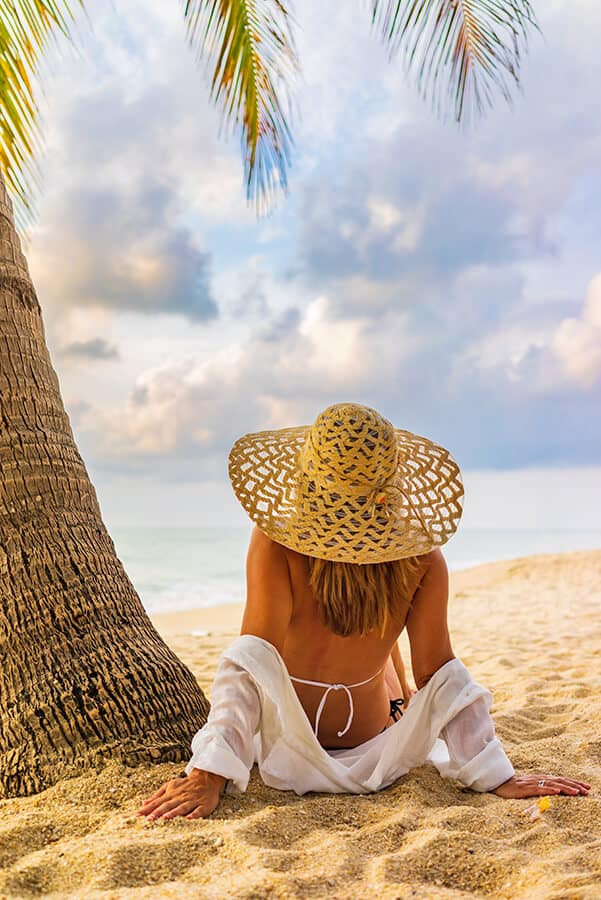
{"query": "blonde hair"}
[(356, 598)]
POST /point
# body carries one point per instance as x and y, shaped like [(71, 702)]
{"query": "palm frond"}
[(252, 47), (25, 28), (462, 49)]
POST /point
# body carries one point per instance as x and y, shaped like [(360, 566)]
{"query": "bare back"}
[(281, 608)]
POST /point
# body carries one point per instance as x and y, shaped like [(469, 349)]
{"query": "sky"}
[(449, 277)]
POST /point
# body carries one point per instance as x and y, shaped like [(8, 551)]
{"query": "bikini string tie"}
[(335, 687), (322, 703)]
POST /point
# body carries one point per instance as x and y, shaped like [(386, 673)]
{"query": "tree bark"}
[(84, 676)]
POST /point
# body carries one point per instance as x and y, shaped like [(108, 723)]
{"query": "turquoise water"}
[(184, 568)]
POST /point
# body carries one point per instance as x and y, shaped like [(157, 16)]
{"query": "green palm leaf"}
[(472, 45), (25, 28), (254, 56)]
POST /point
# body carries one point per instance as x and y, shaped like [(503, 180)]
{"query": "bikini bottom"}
[(395, 710)]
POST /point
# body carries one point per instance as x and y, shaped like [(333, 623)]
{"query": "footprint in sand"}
[(531, 723), (575, 875), (19, 840), (460, 862), (28, 881), (376, 840), (154, 863), (506, 662), (281, 860), (279, 828), (581, 690), (136, 865)]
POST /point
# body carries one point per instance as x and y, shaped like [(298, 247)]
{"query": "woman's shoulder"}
[(435, 563), (264, 548), (262, 545)]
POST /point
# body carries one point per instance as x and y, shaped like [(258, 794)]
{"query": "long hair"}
[(355, 598)]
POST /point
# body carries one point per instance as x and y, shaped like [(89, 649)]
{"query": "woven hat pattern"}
[(349, 488)]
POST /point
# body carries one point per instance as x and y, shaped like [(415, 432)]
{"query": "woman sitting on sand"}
[(351, 514)]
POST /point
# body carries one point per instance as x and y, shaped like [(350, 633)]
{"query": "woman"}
[(350, 515)]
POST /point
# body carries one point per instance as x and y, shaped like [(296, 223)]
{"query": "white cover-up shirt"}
[(256, 716)]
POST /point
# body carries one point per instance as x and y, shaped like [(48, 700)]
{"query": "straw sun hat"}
[(349, 488)]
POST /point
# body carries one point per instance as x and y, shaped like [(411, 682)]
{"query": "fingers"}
[(149, 805), (162, 808), (571, 782), (173, 808), (556, 784), (543, 790), (203, 810), (567, 786), (153, 800), (522, 786), (570, 785), (563, 788), (191, 809), (528, 787)]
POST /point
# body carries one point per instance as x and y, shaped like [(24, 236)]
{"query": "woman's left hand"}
[(519, 786), (194, 797)]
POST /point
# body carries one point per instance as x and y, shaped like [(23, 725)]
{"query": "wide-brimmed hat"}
[(349, 488)]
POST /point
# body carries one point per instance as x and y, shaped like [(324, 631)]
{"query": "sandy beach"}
[(529, 629)]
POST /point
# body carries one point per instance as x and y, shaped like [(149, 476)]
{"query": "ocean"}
[(185, 568)]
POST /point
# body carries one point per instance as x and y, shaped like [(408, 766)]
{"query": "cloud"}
[(577, 341), (125, 252), (495, 398), (493, 404), (397, 214), (95, 348), (252, 300), (281, 373)]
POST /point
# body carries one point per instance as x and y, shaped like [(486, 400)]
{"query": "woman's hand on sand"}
[(194, 797), (519, 786)]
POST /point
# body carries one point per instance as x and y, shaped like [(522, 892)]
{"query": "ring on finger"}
[(541, 783)]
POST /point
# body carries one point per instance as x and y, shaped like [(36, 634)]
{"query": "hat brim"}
[(263, 468)]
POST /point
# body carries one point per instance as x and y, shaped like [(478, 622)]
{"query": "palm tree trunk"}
[(83, 674)]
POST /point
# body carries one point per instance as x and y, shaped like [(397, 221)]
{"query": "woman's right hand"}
[(519, 786), (194, 797)]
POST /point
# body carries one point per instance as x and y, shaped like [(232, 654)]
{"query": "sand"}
[(529, 629)]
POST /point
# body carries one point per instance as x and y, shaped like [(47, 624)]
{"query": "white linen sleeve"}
[(477, 757), (225, 744)]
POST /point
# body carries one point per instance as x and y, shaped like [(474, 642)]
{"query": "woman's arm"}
[(223, 748), (470, 735), (427, 626), (476, 755), (268, 607)]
